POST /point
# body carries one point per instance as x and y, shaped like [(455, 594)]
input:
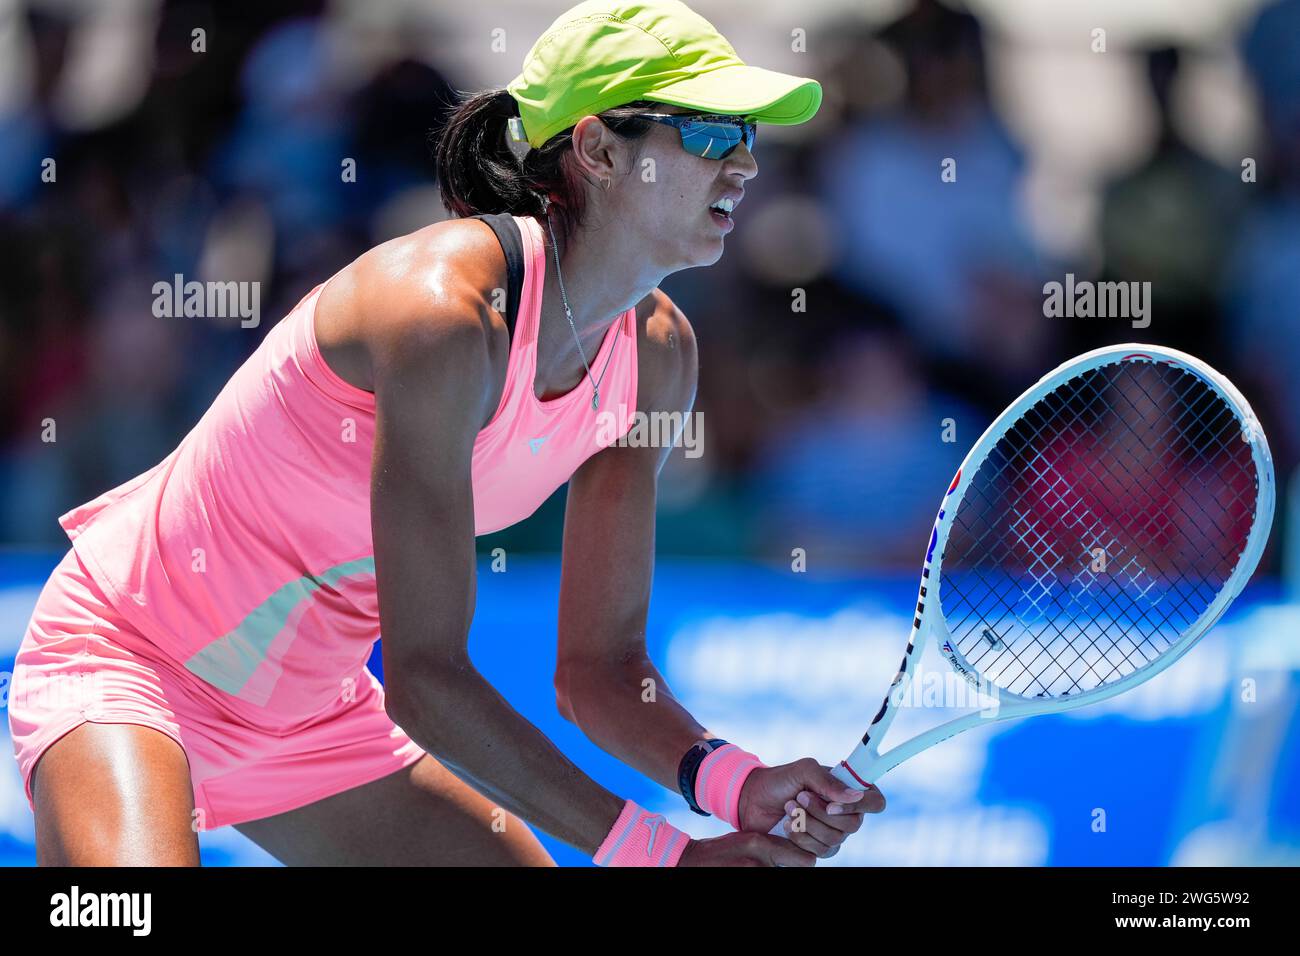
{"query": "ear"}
[(594, 148)]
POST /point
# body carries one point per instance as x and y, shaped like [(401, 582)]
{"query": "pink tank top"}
[(246, 554)]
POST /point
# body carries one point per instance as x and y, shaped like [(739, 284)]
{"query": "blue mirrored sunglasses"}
[(711, 137)]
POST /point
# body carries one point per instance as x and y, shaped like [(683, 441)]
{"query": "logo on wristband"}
[(654, 822)]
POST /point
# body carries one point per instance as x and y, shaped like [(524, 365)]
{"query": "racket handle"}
[(841, 773)]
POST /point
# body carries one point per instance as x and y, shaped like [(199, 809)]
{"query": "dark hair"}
[(479, 173)]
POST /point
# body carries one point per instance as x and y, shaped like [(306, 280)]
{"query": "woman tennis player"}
[(198, 658)]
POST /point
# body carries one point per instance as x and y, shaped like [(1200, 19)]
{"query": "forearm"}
[(630, 713), (468, 726)]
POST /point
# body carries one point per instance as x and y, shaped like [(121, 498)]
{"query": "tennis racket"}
[(1097, 529)]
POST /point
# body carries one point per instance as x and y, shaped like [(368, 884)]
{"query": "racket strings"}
[(1036, 665), (1103, 645), (1098, 530), (1113, 641), (1074, 512)]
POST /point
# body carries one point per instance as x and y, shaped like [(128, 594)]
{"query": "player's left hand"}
[(818, 810)]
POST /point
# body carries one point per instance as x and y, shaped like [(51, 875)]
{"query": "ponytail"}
[(479, 173)]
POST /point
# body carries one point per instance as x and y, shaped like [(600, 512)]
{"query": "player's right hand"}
[(745, 849)]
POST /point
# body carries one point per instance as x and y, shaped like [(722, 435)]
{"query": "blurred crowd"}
[(868, 319)]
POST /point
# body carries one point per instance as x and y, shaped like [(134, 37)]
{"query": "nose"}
[(742, 161)]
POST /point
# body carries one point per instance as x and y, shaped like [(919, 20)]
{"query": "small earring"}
[(608, 183)]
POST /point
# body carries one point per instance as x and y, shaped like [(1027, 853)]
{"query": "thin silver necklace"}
[(595, 386)]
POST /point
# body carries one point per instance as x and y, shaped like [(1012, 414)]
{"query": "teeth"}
[(726, 205)]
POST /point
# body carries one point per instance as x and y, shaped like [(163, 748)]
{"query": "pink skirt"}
[(81, 661)]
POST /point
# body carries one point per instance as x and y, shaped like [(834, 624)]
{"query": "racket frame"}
[(866, 763)]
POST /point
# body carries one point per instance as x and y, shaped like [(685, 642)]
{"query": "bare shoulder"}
[(431, 288), (667, 359), (440, 276)]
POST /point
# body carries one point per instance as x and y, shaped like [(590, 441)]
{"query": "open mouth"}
[(722, 209)]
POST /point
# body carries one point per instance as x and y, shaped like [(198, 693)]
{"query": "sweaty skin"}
[(412, 322)]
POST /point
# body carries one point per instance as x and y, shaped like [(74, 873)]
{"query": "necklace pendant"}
[(595, 398)]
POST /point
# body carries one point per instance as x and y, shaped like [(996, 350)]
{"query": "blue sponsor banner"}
[(1197, 766)]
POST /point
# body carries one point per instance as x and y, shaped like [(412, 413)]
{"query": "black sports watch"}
[(690, 767)]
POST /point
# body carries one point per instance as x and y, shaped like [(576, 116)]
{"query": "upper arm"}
[(608, 554), (430, 366), (673, 372)]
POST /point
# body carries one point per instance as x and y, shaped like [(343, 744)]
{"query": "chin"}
[(704, 251), (719, 247), (701, 260), (709, 251)]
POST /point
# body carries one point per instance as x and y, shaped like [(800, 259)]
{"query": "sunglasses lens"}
[(715, 140)]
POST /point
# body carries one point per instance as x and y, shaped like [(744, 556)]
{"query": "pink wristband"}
[(719, 781), (641, 838)]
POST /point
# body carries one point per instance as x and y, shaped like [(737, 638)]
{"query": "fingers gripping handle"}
[(840, 772)]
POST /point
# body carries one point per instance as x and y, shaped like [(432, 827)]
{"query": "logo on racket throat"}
[(957, 662)]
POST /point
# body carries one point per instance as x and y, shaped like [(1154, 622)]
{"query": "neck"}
[(603, 276)]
